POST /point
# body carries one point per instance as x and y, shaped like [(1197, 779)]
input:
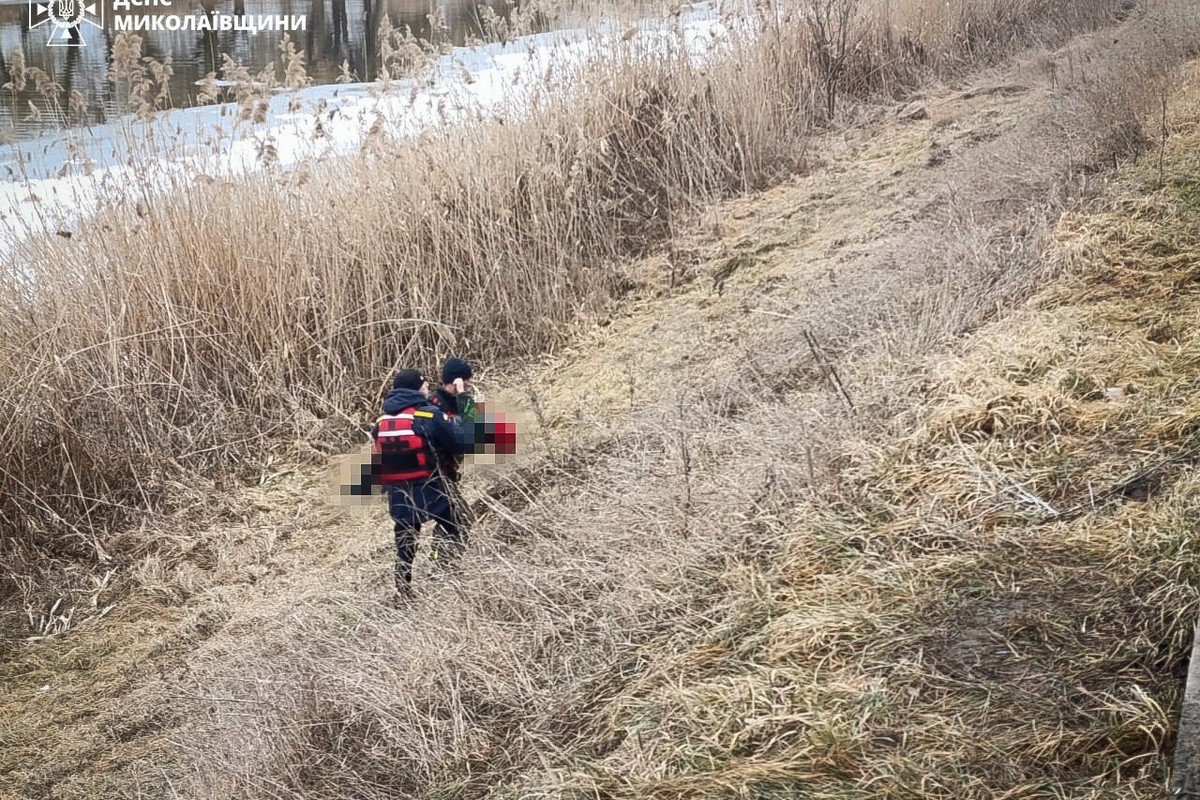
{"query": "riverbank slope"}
[(791, 518)]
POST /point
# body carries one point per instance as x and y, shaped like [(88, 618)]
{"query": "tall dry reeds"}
[(174, 342)]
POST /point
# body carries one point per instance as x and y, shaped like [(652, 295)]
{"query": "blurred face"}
[(424, 389)]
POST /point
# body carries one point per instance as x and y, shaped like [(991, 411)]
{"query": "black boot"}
[(404, 591)]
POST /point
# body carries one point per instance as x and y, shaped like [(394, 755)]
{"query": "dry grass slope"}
[(710, 577), (703, 612), (919, 631), (166, 351)]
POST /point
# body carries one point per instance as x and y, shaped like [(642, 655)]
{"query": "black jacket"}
[(449, 439), (451, 462), (445, 401)]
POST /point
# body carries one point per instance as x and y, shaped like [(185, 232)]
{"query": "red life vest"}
[(402, 453)]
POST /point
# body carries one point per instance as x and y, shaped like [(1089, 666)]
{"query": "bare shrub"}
[(831, 26)]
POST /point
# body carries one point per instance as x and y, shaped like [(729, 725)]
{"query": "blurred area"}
[(350, 474)]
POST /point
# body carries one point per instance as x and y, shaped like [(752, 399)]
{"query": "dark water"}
[(338, 32)]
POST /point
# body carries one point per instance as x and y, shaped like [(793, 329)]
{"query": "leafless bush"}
[(834, 38)]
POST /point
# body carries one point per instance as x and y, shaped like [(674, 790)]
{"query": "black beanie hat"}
[(455, 368), (408, 379)]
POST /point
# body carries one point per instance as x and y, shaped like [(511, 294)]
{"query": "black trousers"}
[(410, 505)]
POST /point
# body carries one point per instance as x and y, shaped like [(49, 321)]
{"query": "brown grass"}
[(753, 591), (907, 628), (180, 344)]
